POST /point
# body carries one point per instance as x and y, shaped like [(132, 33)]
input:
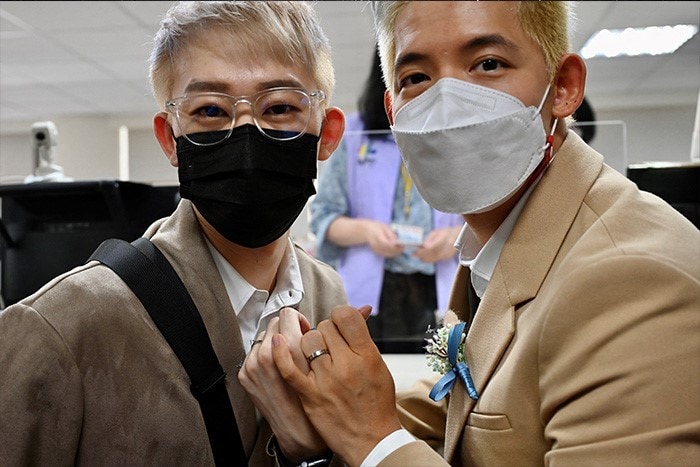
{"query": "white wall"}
[(15, 157), (147, 163)]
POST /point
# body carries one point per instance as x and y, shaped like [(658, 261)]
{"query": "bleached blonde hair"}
[(548, 23), (287, 31)]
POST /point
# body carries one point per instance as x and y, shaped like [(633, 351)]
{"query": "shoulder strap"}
[(153, 280)]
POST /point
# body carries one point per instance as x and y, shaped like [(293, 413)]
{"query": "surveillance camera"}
[(44, 134), (44, 142)]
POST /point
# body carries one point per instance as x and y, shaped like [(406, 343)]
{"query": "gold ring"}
[(315, 354)]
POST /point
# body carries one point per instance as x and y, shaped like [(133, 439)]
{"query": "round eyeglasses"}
[(281, 114)]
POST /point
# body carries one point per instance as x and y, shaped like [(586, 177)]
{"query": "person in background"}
[(584, 348), (86, 378), (393, 251), (586, 117)]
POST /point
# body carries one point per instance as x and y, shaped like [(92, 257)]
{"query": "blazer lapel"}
[(523, 265), (487, 339), (537, 237)]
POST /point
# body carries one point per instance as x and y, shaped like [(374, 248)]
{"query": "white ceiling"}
[(78, 58)]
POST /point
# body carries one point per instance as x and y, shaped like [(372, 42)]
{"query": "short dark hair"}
[(371, 102)]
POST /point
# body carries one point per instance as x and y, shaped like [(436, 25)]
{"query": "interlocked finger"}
[(293, 325), (314, 346)]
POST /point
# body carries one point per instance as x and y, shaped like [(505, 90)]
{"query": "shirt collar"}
[(288, 291)]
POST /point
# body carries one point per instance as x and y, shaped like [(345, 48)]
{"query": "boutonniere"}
[(445, 355)]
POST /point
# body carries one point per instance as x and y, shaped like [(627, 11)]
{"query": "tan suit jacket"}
[(87, 379), (585, 349)]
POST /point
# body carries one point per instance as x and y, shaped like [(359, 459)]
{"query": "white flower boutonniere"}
[(436, 350), (445, 355)]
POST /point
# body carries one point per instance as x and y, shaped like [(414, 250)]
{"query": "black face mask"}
[(249, 187)]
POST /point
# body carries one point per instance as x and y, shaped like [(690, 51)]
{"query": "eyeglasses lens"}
[(280, 114)]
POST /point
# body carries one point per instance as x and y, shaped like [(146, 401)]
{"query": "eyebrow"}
[(477, 42), (491, 39), (224, 87)]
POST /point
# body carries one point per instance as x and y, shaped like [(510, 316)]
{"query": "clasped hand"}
[(343, 399), (275, 399), (438, 245)]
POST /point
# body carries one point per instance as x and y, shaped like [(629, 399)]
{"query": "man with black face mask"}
[(87, 379)]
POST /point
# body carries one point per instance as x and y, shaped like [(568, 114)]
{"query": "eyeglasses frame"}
[(172, 107)]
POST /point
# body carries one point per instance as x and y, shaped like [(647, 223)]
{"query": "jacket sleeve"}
[(40, 392), (421, 416)]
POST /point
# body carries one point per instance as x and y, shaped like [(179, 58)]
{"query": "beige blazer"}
[(87, 379), (585, 349)]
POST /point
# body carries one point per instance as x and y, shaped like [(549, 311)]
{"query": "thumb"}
[(365, 311)]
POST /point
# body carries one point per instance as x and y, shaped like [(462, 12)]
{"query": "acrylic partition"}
[(609, 138)]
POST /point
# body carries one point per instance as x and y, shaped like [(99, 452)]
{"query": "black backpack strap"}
[(153, 280)]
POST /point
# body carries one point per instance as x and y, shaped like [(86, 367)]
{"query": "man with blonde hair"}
[(86, 376), (584, 348)]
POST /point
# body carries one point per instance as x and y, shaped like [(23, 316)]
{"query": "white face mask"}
[(467, 147)]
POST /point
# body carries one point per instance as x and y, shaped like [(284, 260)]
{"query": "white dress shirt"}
[(255, 308)]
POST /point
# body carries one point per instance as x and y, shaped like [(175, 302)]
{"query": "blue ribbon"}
[(459, 369)]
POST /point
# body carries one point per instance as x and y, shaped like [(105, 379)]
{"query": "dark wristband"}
[(273, 449)]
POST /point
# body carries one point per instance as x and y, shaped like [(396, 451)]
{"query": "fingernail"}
[(276, 340)]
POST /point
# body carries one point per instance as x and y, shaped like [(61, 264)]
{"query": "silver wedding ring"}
[(315, 354)]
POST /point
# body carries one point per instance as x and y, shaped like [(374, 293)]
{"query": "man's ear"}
[(331, 133), (164, 134), (388, 107), (569, 85)]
